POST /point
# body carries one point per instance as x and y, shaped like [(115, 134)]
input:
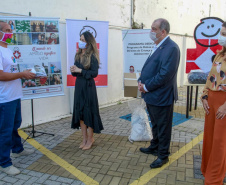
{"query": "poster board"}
[(35, 45), (137, 46)]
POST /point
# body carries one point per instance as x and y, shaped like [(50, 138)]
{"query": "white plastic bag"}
[(140, 130)]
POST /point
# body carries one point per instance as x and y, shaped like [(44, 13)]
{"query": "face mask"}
[(222, 40), (153, 36), (81, 45), (7, 37)]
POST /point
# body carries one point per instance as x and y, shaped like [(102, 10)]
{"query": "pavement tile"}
[(114, 173), (99, 177), (20, 182), (53, 177), (92, 174), (10, 179), (49, 182), (43, 178), (2, 175), (65, 180), (77, 183), (32, 180), (115, 181), (23, 177), (107, 179)]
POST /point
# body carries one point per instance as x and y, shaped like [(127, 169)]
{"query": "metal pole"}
[(191, 97), (196, 96), (131, 16), (187, 106), (32, 117), (183, 60)]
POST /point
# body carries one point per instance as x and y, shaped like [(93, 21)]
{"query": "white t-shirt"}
[(9, 90)]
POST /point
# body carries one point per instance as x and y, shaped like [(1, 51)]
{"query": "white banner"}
[(99, 29), (137, 46), (36, 46)]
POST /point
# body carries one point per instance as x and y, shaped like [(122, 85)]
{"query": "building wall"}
[(182, 15)]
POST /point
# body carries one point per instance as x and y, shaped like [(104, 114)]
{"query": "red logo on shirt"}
[(16, 53)]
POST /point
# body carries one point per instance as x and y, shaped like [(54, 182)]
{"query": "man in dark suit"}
[(158, 84)]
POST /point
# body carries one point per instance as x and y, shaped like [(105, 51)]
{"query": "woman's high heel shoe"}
[(87, 147), (82, 145)]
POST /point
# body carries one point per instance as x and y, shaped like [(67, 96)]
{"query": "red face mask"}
[(7, 37)]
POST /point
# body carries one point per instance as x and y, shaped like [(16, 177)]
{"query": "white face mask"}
[(153, 36), (81, 45), (222, 40)]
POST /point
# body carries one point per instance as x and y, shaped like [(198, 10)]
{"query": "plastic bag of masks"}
[(197, 77), (140, 130)]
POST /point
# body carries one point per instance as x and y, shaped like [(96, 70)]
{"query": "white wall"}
[(183, 16)]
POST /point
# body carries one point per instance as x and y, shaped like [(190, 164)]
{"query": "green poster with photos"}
[(36, 46), (23, 26)]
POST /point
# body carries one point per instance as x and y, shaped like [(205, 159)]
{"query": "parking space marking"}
[(153, 172), (88, 180), (64, 164)]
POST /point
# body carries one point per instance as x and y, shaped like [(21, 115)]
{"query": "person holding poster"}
[(214, 102), (10, 103), (158, 84), (86, 109)]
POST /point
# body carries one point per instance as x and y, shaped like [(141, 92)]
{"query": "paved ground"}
[(113, 159)]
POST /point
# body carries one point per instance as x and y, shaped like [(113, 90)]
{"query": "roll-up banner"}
[(99, 29)]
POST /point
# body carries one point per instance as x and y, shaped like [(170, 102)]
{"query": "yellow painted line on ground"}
[(64, 164), (153, 172)]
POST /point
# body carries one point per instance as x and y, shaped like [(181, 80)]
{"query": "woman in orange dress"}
[(214, 102)]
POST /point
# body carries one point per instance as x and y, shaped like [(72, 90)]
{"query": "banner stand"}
[(32, 132), (99, 30)]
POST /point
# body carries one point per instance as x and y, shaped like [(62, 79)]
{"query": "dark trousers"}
[(161, 119), (10, 121)]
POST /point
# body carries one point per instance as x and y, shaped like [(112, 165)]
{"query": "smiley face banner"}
[(206, 36), (36, 46)]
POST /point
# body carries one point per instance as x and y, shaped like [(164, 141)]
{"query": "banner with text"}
[(137, 46), (35, 45), (99, 29)]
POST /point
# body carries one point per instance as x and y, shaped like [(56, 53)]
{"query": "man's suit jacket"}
[(159, 74)]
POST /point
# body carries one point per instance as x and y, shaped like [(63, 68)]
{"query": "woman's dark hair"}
[(212, 58), (91, 49), (224, 24)]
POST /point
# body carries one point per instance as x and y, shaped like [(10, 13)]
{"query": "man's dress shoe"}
[(159, 162), (149, 151)]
